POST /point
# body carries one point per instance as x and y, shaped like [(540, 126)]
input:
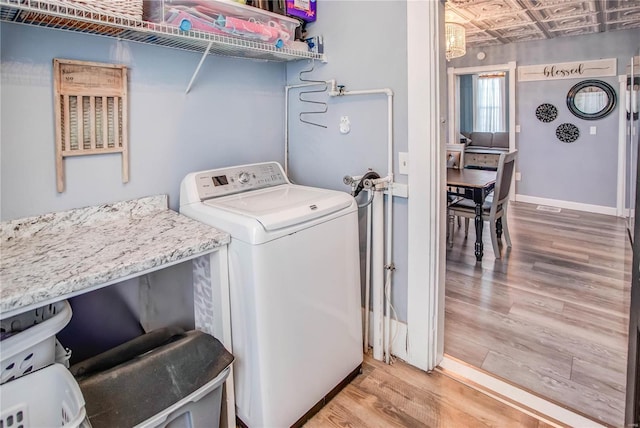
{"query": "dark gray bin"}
[(158, 379)]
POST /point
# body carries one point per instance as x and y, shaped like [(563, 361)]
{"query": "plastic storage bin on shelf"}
[(49, 397), (131, 9), (180, 373), (29, 341), (224, 18)]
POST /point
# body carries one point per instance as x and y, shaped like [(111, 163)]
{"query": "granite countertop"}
[(47, 257)]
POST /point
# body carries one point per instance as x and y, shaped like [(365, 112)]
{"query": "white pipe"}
[(331, 82), (389, 219), (388, 265), (367, 276), (339, 93), (286, 131), (377, 262)]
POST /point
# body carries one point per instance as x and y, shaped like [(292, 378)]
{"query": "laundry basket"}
[(49, 397), (29, 341)]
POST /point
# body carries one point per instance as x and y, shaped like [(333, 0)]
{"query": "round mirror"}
[(591, 99)]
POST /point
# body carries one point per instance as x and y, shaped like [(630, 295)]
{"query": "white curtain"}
[(590, 101), (490, 106)]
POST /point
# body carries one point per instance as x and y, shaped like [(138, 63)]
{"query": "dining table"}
[(474, 184)]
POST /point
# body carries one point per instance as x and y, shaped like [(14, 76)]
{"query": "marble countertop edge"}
[(58, 291), (66, 252)]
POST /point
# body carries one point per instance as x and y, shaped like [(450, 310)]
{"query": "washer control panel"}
[(226, 181)]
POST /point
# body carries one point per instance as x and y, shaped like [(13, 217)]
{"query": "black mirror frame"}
[(607, 88)]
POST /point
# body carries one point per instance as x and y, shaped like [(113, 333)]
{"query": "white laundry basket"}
[(31, 341), (49, 397)]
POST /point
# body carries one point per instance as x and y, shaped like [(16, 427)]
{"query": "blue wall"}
[(232, 115), (361, 55), (584, 171)]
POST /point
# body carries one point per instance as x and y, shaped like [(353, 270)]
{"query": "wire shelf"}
[(65, 16)]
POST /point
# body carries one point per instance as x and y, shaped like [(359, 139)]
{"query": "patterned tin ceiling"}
[(497, 22)]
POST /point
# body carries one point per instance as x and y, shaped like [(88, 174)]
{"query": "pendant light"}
[(455, 40)]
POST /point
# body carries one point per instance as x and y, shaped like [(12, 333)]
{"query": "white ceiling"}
[(497, 22)]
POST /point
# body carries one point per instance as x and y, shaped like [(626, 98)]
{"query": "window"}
[(490, 112)]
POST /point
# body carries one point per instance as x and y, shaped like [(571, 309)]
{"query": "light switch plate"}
[(593, 130)]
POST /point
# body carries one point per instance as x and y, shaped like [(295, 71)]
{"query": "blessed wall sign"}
[(568, 70)]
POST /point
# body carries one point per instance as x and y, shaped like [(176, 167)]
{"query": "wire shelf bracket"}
[(195, 73)]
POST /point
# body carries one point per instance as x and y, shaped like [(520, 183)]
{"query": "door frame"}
[(632, 398), (426, 204), (452, 98), (621, 194)]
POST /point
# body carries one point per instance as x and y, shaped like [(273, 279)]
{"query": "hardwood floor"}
[(400, 395), (551, 315)]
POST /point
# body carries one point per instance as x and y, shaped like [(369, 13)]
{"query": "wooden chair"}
[(454, 160), (495, 205)]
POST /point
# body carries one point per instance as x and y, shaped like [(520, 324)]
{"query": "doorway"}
[(550, 315), (427, 109)]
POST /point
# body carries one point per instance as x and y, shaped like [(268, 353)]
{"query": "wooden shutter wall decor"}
[(91, 113)]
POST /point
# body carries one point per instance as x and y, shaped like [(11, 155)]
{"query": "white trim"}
[(453, 111), (512, 122), (622, 146), (578, 206), (426, 240), (398, 336), (521, 396), (453, 86)]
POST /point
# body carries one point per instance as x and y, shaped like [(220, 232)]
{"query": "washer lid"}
[(285, 205)]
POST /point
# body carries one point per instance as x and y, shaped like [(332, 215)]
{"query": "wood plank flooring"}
[(400, 395), (551, 315)]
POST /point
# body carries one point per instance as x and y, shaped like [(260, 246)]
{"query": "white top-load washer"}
[(294, 275)]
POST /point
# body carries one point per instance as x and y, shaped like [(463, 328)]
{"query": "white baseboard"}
[(521, 396), (398, 336), (596, 209)]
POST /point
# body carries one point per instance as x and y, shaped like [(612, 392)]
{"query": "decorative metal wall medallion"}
[(546, 112), (567, 132)]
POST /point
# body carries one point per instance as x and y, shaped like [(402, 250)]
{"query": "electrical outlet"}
[(593, 130), (518, 176), (403, 159), (345, 125), (517, 128)]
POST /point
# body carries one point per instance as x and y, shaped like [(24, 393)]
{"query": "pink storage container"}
[(223, 18)]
